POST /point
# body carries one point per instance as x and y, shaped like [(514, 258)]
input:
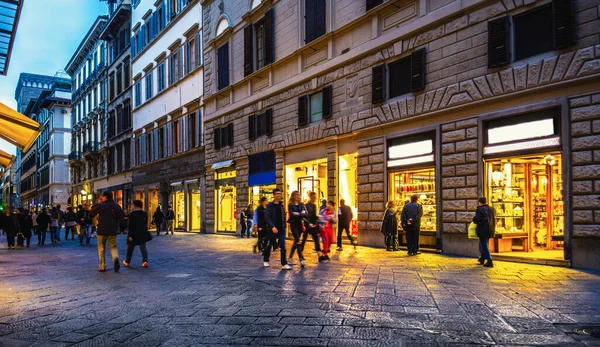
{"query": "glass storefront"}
[(194, 222), (153, 203), (421, 183), (347, 185), (225, 201), (258, 192), (178, 203), (306, 177)]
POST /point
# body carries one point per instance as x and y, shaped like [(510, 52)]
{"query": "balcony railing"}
[(74, 156), (90, 148)]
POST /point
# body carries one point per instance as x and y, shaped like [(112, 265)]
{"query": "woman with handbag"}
[(138, 233), (327, 221), (298, 215)]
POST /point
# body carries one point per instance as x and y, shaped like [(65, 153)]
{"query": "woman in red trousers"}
[(327, 222)]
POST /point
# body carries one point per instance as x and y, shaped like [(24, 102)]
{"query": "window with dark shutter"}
[(499, 42), (224, 137), (248, 50), (269, 121), (230, 134), (261, 125), (223, 66), (417, 69), (314, 19), (400, 75), (564, 28), (252, 127), (378, 84), (303, 110), (269, 33), (217, 138), (371, 4), (327, 102), (533, 32)]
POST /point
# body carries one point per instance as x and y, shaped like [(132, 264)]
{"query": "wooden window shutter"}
[(217, 138), (224, 137), (499, 42), (327, 104), (269, 121), (252, 127), (303, 110), (230, 134), (223, 66), (417, 70), (371, 4), (248, 51), (269, 38), (314, 19), (378, 84), (564, 28)]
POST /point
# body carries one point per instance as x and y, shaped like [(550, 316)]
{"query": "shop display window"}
[(307, 177), (179, 209), (225, 201), (152, 203), (257, 192), (419, 182)]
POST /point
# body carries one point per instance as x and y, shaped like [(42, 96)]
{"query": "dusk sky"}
[(48, 33)]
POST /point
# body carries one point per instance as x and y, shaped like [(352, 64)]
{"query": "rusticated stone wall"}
[(371, 196)]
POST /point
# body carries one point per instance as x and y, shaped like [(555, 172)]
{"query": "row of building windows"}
[(88, 103), (120, 80), (28, 183), (119, 119), (119, 157), (119, 43)]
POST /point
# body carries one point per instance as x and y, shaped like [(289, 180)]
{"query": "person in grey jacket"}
[(110, 217)]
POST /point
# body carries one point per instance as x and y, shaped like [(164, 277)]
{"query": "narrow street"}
[(209, 290)]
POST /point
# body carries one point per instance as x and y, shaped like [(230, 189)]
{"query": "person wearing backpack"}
[(85, 224), (485, 220), (110, 216)]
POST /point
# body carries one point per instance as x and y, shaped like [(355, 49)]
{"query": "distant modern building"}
[(88, 156), (167, 116)]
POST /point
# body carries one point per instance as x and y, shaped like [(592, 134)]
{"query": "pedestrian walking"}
[(70, 223), (138, 233), (43, 223), (170, 220), (345, 217), (20, 212), (34, 224), (243, 223), (485, 218), (260, 224), (411, 222), (389, 227), (297, 216), (249, 220), (11, 227), (327, 222), (312, 225), (276, 234), (110, 215), (61, 222), (157, 219), (54, 220), (26, 226), (85, 224)]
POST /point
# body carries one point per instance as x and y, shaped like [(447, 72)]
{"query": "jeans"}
[(485, 250), (53, 236), (85, 231), (243, 225), (314, 232), (297, 245), (273, 239), (112, 246), (249, 228), (41, 236), (72, 229), (143, 249), (391, 240), (341, 229)]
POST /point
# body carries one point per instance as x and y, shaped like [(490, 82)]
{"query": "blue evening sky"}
[(48, 34)]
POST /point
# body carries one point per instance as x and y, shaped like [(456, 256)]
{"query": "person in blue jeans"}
[(276, 221), (249, 220), (485, 220)]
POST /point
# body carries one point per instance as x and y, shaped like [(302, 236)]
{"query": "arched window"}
[(222, 26), (254, 4)]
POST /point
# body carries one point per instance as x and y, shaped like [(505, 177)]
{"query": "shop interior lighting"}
[(411, 149), (549, 142), (528, 130), (411, 161)]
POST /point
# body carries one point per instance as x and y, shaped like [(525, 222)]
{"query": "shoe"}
[(291, 261), (286, 267), (126, 264), (102, 269), (117, 265), (145, 264), (388, 249), (396, 249), (321, 259), (481, 261), (340, 249), (417, 252), (411, 254), (302, 263), (488, 264), (266, 264), (255, 249), (327, 258)]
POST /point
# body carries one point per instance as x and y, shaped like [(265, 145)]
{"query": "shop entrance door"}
[(226, 214), (307, 184), (527, 195)]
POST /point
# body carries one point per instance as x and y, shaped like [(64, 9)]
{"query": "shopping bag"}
[(473, 230)]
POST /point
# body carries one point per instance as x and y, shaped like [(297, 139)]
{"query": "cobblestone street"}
[(211, 290)]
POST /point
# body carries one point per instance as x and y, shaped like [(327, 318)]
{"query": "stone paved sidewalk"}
[(209, 290)]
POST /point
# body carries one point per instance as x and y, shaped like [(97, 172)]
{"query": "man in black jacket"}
[(312, 228), (110, 216), (345, 216), (276, 220), (486, 225), (411, 222), (170, 220)]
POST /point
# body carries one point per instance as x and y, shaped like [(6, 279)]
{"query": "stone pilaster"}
[(332, 165), (371, 197)]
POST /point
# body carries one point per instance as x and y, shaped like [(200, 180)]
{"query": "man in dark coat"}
[(43, 223), (110, 216), (138, 233), (389, 227), (312, 227), (345, 217), (170, 220), (411, 221), (486, 225), (276, 220), (11, 226)]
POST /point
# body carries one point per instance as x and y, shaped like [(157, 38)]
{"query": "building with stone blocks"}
[(167, 72), (372, 101), (88, 157)]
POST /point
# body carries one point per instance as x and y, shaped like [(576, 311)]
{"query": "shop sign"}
[(222, 164), (525, 145), (411, 151)]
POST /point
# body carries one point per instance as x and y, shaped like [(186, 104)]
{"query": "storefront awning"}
[(262, 179), (222, 164), (5, 159), (17, 129)]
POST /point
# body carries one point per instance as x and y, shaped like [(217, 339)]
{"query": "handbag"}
[(472, 233)]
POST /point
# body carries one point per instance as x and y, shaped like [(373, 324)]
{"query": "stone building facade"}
[(411, 98)]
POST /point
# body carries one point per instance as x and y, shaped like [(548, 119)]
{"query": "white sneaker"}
[(302, 263), (266, 264), (291, 261), (286, 267)]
